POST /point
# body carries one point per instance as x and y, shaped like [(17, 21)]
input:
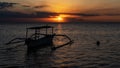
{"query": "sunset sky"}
[(61, 10)]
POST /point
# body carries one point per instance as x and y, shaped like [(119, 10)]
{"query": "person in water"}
[(98, 43)]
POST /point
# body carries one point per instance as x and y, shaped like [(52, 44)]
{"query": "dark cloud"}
[(109, 9), (25, 5), (39, 14), (73, 19), (46, 14), (90, 14), (105, 11), (112, 14), (10, 14), (94, 14), (83, 14), (6, 5), (41, 6)]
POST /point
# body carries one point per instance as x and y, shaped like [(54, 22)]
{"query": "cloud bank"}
[(4, 5)]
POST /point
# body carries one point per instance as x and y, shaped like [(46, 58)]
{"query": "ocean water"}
[(83, 53)]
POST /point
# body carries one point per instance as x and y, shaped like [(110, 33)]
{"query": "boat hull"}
[(40, 43)]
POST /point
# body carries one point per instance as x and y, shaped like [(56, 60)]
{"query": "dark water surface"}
[(83, 53)]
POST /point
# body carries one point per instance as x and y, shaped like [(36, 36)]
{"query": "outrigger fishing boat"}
[(42, 37)]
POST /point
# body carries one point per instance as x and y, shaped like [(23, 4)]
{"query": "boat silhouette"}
[(38, 39)]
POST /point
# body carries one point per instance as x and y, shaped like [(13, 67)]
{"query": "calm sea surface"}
[(83, 53)]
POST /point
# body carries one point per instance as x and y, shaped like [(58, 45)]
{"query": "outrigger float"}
[(42, 37)]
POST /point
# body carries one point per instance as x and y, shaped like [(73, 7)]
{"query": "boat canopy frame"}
[(38, 29)]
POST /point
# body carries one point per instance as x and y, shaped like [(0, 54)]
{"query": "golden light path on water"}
[(58, 38)]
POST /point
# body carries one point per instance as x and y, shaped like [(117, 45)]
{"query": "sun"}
[(59, 18)]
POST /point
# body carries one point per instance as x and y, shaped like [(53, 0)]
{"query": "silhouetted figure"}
[(98, 43)]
